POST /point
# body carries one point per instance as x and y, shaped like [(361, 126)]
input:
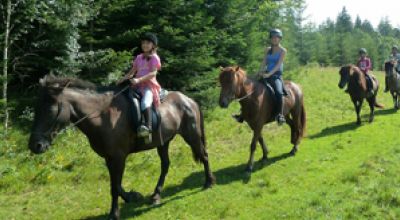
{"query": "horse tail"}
[(203, 134), (378, 105), (303, 119), (196, 137)]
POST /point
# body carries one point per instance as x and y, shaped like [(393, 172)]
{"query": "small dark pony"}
[(356, 82), (105, 117), (393, 82), (258, 107)]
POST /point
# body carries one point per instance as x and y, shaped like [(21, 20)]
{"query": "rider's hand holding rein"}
[(128, 76)]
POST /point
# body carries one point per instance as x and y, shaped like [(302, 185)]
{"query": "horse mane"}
[(353, 70), (234, 69), (70, 82)]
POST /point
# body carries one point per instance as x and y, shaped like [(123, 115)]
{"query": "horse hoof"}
[(113, 216), (133, 196), (249, 169), (293, 152), (156, 199), (358, 122), (264, 160), (209, 183)]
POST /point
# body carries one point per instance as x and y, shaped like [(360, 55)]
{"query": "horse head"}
[(231, 80), (51, 113), (345, 73)]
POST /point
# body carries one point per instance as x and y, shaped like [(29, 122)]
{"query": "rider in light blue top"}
[(271, 72), (272, 69), (272, 60)]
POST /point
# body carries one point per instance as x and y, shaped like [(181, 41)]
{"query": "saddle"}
[(137, 115), (271, 93)]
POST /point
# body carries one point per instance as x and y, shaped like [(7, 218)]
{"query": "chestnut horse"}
[(357, 88), (105, 117), (258, 107), (393, 82)]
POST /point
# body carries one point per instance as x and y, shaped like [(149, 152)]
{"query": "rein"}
[(244, 97), (87, 115)]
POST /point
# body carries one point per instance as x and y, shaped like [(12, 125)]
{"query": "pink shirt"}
[(143, 67), (364, 64)]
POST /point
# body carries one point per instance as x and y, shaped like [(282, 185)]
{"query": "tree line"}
[(96, 39)]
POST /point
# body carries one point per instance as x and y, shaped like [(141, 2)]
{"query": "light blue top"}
[(272, 60)]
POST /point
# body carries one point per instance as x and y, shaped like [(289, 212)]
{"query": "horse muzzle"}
[(224, 103), (38, 146)]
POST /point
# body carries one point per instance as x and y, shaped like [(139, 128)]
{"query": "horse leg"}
[(197, 144), (163, 154), (294, 133), (357, 105), (264, 148), (116, 168), (250, 163), (371, 102)]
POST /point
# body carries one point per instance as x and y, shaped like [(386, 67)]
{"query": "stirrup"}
[(280, 119), (143, 131), (238, 118), (370, 93), (386, 90)]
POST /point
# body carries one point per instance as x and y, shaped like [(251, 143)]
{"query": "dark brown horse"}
[(357, 88), (105, 118), (258, 107), (393, 82)]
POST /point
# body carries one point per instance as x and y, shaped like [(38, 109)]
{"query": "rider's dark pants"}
[(277, 84)]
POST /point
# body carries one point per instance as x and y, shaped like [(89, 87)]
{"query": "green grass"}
[(342, 171)]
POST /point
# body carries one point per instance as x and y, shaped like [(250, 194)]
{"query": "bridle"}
[(234, 93)]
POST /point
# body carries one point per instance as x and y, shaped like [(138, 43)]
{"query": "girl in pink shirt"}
[(143, 78), (364, 63)]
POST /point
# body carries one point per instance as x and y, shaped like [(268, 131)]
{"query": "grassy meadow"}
[(342, 171)]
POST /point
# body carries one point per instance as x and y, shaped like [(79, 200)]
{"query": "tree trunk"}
[(5, 65)]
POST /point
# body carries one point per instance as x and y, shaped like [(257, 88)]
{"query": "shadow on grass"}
[(193, 181), (348, 126), (335, 130), (386, 111)]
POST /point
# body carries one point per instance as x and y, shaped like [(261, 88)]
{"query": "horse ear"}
[(237, 68)]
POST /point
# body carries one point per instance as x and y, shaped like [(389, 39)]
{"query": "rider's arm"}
[(369, 66), (131, 73), (278, 65), (146, 77), (155, 65)]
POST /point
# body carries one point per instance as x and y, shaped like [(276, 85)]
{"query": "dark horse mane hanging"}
[(70, 82)]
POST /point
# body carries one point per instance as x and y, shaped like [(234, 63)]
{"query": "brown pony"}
[(105, 117), (357, 87), (258, 107)]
